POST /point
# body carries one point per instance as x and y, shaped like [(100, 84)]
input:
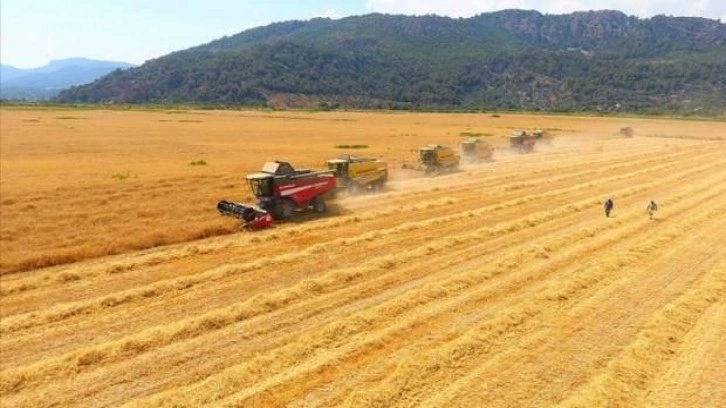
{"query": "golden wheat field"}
[(501, 285)]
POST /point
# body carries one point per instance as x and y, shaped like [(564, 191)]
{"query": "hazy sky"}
[(32, 32)]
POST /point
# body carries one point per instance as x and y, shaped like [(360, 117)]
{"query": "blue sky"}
[(33, 32)]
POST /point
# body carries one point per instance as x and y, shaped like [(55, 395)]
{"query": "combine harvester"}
[(474, 150), (522, 142), (435, 159), (627, 132), (354, 174), (280, 190)]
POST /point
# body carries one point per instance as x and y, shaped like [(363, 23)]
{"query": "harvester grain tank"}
[(475, 150), (356, 173), (280, 190), (522, 142)]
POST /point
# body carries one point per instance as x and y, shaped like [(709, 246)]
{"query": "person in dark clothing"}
[(652, 208), (608, 207)]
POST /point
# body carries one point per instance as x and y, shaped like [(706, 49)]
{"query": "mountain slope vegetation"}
[(513, 59)]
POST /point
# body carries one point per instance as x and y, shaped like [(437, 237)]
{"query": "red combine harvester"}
[(280, 190), (522, 142)]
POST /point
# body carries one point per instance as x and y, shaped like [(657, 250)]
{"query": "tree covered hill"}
[(513, 59)]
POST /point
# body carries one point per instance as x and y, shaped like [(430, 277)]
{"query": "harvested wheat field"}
[(500, 285)]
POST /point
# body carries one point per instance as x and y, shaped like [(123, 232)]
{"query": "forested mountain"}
[(46, 81), (513, 59)]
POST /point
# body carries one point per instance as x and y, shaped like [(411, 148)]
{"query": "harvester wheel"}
[(353, 188), (287, 207), (319, 205), (378, 185)]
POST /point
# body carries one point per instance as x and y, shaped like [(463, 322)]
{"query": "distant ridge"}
[(46, 81), (512, 59)]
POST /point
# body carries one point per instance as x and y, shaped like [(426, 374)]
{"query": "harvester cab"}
[(339, 167), (280, 190), (427, 156), (260, 184)]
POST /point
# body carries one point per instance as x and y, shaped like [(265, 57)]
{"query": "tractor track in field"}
[(417, 303), (501, 284), (298, 235), (146, 294)]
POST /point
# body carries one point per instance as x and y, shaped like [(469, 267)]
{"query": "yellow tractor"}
[(358, 173), (475, 150), (435, 159)]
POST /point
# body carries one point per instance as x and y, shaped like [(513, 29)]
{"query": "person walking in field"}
[(608, 207), (652, 209)]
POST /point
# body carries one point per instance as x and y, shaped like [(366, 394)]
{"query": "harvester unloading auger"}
[(280, 190)]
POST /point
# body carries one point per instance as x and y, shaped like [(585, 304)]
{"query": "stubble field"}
[(500, 285)]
